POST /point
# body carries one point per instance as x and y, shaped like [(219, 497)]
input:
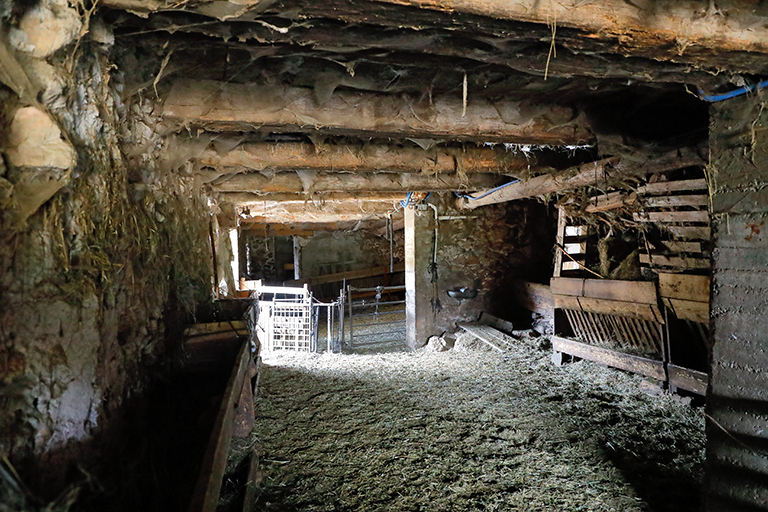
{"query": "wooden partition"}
[(624, 324)]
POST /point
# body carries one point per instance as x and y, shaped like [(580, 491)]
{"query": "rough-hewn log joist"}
[(368, 158), (668, 28), (583, 176), (686, 32), (314, 217), (228, 106), (248, 198), (351, 182), (330, 208)]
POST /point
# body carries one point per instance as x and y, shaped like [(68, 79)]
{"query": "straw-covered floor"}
[(470, 429)]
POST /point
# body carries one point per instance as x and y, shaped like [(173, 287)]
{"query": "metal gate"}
[(334, 333), (286, 321), (290, 326), (374, 317), (287, 318)]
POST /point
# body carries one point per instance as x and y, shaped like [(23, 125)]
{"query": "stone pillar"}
[(737, 401), (419, 319)]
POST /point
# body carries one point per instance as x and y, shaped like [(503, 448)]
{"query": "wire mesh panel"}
[(286, 322), (291, 326)]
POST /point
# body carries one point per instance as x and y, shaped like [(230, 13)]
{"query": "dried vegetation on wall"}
[(101, 255)]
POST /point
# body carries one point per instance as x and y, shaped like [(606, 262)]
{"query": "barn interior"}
[(559, 204)]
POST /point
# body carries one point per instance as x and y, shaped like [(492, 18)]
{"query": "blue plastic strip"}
[(464, 196), (734, 93)]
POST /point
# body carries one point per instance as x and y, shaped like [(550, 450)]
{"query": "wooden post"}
[(559, 241), (418, 290)]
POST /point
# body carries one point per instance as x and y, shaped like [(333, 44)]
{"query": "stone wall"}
[(737, 401), (485, 249), (340, 251), (102, 254)]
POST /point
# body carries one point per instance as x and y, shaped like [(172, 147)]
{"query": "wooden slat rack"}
[(623, 324)]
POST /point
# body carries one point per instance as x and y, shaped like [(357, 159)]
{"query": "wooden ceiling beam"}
[(335, 208), (355, 182), (583, 176), (264, 227), (229, 106), (670, 30), (316, 217), (525, 50), (248, 198), (368, 158)]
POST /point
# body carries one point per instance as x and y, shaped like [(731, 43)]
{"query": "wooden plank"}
[(689, 232), (687, 379), (630, 363), (666, 187), (285, 290), (684, 286), (205, 496), (626, 291), (657, 260), (688, 309), (572, 265), (497, 323), (575, 247), (610, 201), (567, 286), (533, 297), (574, 231), (610, 307), (194, 330), (252, 483), (562, 230), (349, 275), (259, 229), (672, 201), (479, 334), (675, 246), (696, 216), (195, 341)]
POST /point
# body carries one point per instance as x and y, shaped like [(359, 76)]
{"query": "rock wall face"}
[(485, 250), (737, 399), (101, 253), (330, 252)]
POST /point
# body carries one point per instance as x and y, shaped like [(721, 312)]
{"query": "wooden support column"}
[(419, 319), (737, 399)]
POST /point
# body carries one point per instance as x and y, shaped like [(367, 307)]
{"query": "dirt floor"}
[(470, 429)]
